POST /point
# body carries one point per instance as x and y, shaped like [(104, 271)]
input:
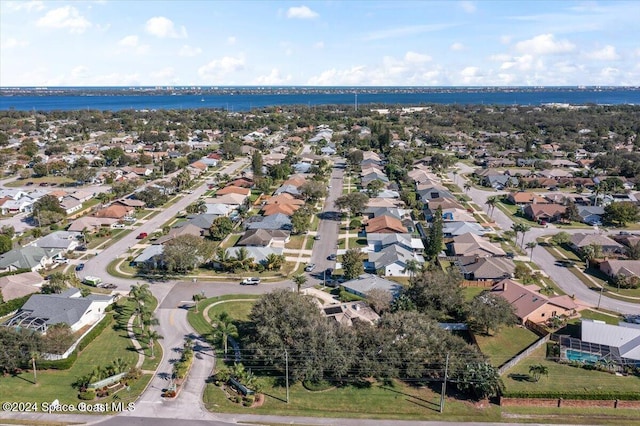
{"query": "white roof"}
[(625, 337)]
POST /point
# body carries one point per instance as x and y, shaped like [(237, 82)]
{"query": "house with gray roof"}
[(362, 285), (29, 257), (151, 256), (591, 215), (378, 241), (486, 268), (623, 339), (259, 254), (454, 229), (392, 261), (59, 240), (288, 189), (44, 310), (275, 221)]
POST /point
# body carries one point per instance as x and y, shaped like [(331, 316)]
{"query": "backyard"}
[(505, 344)]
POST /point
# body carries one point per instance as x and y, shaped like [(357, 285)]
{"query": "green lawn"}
[(471, 292), (357, 242), (295, 242), (56, 384), (505, 344), (589, 314), (231, 240), (377, 400), (563, 378)]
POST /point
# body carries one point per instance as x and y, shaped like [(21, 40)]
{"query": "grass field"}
[(505, 344), (563, 378), (56, 384)]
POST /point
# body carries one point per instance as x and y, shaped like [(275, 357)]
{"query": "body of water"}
[(245, 102)]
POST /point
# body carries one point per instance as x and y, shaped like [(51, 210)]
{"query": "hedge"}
[(97, 330), (624, 396), (13, 305)]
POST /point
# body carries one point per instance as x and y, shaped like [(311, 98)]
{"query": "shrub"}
[(62, 364), (87, 395)]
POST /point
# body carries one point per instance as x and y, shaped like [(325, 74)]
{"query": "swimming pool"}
[(573, 355)]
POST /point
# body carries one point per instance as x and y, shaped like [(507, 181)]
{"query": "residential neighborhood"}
[(412, 252)]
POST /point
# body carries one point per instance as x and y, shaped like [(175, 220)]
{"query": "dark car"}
[(328, 272), (79, 266), (332, 256), (142, 236)]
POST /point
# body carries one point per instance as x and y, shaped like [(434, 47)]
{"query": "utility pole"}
[(444, 384), (286, 367)]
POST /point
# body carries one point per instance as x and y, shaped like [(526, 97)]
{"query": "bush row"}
[(13, 305), (625, 396)]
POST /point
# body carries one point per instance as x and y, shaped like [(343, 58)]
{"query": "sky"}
[(319, 43)]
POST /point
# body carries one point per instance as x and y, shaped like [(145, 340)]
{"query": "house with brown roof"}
[(234, 190), (385, 225), (197, 167), (90, 223), (243, 182), (530, 305), (470, 244), (285, 209), (115, 211), (522, 198), (580, 241), (130, 202), (284, 199), (188, 229), (627, 268), (231, 199), (20, 285), (544, 212), (263, 237)]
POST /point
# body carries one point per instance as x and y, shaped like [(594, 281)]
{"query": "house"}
[(20, 285), (44, 310), (217, 210), (544, 212), (288, 189), (275, 221), (453, 229), (70, 205), (150, 256), (385, 224), (580, 241), (232, 199), (59, 240), (377, 242), (263, 238), (202, 221), (457, 215), (627, 268), (591, 215), (370, 177), (522, 198), (234, 190), (197, 167), (115, 211), (362, 285), (485, 268), (624, 338), (129, 202), (243, 182), (530, 305), (90, 224), (500, 181), (392, 260), (347, 313), (29, 257), (187, 229), (285, 209), (471, 244), (81, 196), (258, 254)]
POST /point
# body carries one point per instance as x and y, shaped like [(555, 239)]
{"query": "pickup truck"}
[(250, 281)]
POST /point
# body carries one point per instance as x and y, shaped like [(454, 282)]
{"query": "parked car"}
[(108, 286), (316, 237), (81, 248), (310, 267), (61, 260), (250, 281), (142, 236), (332, 256), (79, 266)]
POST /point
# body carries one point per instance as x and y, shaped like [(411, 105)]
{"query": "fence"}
[(523, 354), (477, 283), (536, 328)]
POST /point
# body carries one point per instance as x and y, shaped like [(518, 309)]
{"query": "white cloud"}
[(456, 47), (129, 41), (500, 57), (29, 6), (301, 12), (607, 53), (79, 72), (164, 76), (66, 17), (189, 51), (274, 78), (319, 45), (353, 76), (162, 27), (231, 40), (544, 44), (416, 58), (468, 6), (12, 43), (410, 30), (219, 68)]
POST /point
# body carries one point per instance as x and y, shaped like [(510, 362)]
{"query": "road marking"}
[(171, 322)]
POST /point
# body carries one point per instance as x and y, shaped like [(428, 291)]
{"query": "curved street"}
[(562, 276)]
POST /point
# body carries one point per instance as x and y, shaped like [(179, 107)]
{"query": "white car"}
[(250, 281)]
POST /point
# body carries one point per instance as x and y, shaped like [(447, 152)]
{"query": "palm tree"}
[(223, 258), (467, 186), (538, 370), (299, 279), (225, 329), (491, 203), (197, 207), (153, 336), (140, 293), (197, 298), (411, 266), (273, 261), (524, 228), (531, 245), (515, 227), (34, 355), (242, 259)]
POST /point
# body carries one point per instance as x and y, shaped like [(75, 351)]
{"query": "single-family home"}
[(622, 340), (59, 240), (90, 223), (230, 189), (346, 313), (232, 199), (522, 198), (365, 283), (377, 242), (217, 210), (151, 256), (29, 257), (257, 253), (580, 241), (471, 244), (115, 211), (385, 224), (626, 267), (457, 215), (544, 212), (453, 229), (275, 221), (485, 268), (70, 205), (20, 285), (44, 310), (591, 215), (392, 261), (530, 305), (197, 168), (187, 229), (263, 237)]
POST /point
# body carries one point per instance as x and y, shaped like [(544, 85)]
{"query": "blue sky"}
[(323, 43)]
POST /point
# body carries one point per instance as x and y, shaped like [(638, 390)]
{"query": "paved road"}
[(562, 276), (328, 228)]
